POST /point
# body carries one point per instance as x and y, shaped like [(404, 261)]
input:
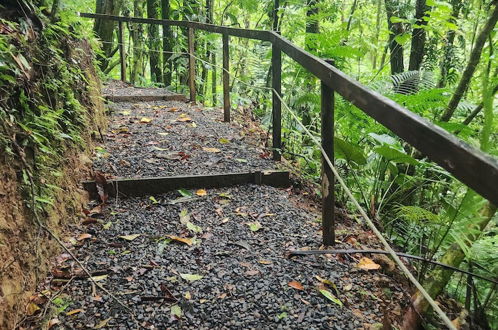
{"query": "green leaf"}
[(176, 311), (185, 193), (193, 228), (402, 38), (331, 297), (153, 200), (383, 138), (184, 217), (254, 226), (349, 152), (191, 277), (395, 155)]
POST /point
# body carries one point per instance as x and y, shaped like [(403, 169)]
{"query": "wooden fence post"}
[(328, 180), (276, 64), (122, 56), (191, 64), (226, 78)]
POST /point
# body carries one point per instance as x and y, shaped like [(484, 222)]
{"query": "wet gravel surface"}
[(216, 259), (175, 138), (245, 273)]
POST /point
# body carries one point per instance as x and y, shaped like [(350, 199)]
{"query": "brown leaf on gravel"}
[(368, 264), (296, 285), (89, 221), (187, 241), (214, 150), (53, 322), (74, 311), (252, 272), (83, 237)]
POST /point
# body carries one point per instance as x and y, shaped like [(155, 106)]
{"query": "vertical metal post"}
[(328, 198), (226, 78), (191, 64), (276, 64), (122, 56)]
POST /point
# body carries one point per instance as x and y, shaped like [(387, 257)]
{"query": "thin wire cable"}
[(384, 242), (367, 219)]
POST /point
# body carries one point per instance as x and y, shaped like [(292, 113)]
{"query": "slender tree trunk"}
[(395, 29), (417, 50), (377, 33), (276, 7), (454, 255), (154, 41), (211, 53), (104, 29), (137, 33), (475, 56), (449, 53), (167, 44)]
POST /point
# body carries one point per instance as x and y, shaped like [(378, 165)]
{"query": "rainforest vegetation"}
[(436, 58)]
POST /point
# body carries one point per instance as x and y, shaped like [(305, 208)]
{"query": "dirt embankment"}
[(40, 83)]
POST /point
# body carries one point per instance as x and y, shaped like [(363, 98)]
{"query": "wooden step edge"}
[(159, 185)]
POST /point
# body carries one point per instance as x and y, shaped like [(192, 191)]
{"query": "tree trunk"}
[(377, 33), (439, 278), (312, 25), (395, 29), (104, 28), (137, 32), (417, 51), (449, 55), (211, 51), (154, 42), (475, 56), (276, 7), (167, 44)]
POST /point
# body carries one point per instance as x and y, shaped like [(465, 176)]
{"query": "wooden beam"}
[(276, 64), (474, 168), (191, 64), (226, 78), (236, 32), (328, 179), (160, 185)]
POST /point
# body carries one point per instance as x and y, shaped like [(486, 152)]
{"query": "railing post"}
[(191, 64), (122, 56), (276, 64), (328, 180), (226, 78)]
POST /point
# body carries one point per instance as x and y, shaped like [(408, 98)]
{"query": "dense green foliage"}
[(45, 96)]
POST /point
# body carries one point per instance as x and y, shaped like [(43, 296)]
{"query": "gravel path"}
[(164, 138), (214, 259)]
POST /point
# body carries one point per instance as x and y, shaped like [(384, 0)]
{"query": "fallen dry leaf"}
[(367, 264), (296, 285), (84, 237), (74, 311), (264, 262), (252, 272), (32, 308), (53, 322), (187, 241), (215, 150), (184, 118), (201, 192), (129, 237), (145, 120)]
